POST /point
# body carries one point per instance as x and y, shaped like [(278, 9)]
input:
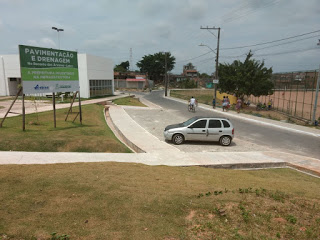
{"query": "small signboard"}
[(216, 81), (47, 70)]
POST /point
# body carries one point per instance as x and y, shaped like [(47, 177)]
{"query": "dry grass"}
[(202, 95), (133, 201), (93, 135)]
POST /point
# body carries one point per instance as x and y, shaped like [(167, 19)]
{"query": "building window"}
[(100, 87)]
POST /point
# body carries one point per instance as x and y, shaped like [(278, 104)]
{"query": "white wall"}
[(89, 66), (93, 68), (83, 76), (100, 68), (9, 68)]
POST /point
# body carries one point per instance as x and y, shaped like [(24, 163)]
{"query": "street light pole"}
[(54, 94), (58, 30)]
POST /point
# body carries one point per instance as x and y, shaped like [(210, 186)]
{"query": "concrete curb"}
[(242, 166), (119, 134), (310, 171)]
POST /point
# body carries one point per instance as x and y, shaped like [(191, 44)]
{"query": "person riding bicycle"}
[(192, 102)]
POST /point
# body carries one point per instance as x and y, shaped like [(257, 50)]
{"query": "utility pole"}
[(316, 98), (130, 63), (217, 62), (165, 75)]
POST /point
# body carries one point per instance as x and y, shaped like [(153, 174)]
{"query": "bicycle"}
[(191, 108)]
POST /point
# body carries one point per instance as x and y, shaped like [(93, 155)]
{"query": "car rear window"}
[(214, 124), (225, 124), (199, 124)]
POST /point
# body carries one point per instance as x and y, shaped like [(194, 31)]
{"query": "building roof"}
[(135, 80)]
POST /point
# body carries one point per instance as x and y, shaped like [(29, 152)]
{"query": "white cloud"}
[(111, 27), (163, 30), (195, 10), (152, 7), (43, 42)]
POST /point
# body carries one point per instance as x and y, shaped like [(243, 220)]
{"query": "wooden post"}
[(70, 108), (10, 107), (23, 114), (54, 109), (80, 109)]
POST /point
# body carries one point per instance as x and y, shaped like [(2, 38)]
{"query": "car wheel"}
[(178, 139), (225, 140)]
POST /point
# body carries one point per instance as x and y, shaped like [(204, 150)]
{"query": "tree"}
[(189, 66), (204, 75), (250, 77), (154, 65), (122, 67)]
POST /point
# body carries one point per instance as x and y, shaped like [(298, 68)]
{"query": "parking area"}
[(155, 120)]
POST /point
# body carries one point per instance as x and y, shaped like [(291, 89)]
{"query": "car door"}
[(197, 131), (215, 130)]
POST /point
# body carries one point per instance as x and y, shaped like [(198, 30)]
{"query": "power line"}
[(194, 57), (258, 44), (238, 56), (287, 52), (273, 54), (246, 13), (285, 43)]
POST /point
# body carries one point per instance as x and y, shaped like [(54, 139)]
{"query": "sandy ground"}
[(297, 103), (17, 107)]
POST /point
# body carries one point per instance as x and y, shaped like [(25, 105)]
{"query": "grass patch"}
[(93, 135), (202, 96), (129, 101), (133, 201)]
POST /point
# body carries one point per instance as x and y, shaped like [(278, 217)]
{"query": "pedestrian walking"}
[(224, 103), (269, 104), (228, 102), (238, 105)]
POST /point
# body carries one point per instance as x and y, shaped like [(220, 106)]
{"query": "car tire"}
[(178, 139), (225, 141)]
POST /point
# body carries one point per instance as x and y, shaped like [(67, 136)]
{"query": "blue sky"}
[(109, 28)]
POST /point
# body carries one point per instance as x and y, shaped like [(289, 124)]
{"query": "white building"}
[(95, 75)]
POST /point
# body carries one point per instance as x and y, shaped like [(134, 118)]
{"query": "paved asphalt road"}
[(249, 136)]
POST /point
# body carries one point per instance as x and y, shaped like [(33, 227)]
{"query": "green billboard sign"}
[(45, 70)]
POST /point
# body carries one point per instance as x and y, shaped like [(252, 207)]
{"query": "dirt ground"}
[(275, 115), (296, 103)]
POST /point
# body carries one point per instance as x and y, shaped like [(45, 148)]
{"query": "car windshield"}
[(188, 122)]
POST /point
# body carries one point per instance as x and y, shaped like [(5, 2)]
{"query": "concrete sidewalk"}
[(152, 151), (43, 106)]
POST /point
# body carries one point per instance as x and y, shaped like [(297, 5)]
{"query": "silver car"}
[(201, 129)]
